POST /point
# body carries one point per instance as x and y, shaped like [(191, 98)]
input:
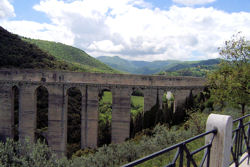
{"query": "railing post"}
[(221, 146)]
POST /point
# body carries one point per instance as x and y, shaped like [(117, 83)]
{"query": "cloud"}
[(105, 46), (193, 2), (6, 9), (40, 31), (134, 29)]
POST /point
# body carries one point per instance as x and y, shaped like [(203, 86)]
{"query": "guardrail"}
[(182, 149), (219, 146), (241, 140)]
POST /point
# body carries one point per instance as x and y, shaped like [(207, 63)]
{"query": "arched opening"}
[(168, 107), (137, 112), (105, 117), (42, 98), (74, 120), (15, 111)]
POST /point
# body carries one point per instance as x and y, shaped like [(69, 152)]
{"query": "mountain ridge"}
[(156, 67)]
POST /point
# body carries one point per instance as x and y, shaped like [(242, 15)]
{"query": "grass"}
[(137, 105), (137, 102)]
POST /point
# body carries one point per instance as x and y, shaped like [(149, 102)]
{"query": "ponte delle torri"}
[(90, 85)]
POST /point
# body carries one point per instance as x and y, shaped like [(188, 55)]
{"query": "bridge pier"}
[(27, 112), (90, 118), (160, 96), (180, 97), (150, 99), (57, 119), (120, 124), (83, 118)]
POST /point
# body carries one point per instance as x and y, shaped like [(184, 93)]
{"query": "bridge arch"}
[(105, 104), (74, 112), (137, 110), (167, 106), (15, 111), (42, 109)]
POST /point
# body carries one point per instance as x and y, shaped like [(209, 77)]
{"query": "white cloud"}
[(193, 2), (6, 9), (105, 46), (40, 31), (135, 30)]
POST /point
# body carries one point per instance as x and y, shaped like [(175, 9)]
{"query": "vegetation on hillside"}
[(198, 71), (17, 52), (71, 55), (14, 53)]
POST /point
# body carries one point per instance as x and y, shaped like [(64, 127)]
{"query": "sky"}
[(132, 29)]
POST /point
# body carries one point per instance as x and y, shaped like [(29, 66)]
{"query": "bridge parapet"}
[(109, 79)]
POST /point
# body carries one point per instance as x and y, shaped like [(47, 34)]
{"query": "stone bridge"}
[(90, 85)]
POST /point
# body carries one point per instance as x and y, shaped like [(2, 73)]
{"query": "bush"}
[(28, 155)]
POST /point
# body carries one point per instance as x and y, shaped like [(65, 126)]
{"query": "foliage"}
[(74, 121), (25, 154), (105, 115), (230, 83), (137, 105)]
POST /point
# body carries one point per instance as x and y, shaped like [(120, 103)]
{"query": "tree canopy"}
[(230, 83)]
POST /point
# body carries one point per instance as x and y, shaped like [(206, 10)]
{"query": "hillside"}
[(17, 52), (71, 55), (192, 68), (190, 64), (170, 67), (14, 53)]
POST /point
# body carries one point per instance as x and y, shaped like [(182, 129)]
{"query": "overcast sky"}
[(132, 29)]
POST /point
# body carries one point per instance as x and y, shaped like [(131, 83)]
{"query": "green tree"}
[(230, 83)]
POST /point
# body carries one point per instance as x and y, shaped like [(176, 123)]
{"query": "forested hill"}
[(17, 52), (191, 68), (72, 55), (170, 67)]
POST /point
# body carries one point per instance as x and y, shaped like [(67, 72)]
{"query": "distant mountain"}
[(136, 67), (118, 63), (187, 68), (17, 52)]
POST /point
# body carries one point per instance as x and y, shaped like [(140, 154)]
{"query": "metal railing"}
[(241, 140), (182, 150)]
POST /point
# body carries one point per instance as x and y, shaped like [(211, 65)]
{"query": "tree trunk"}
[(243, 109)]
